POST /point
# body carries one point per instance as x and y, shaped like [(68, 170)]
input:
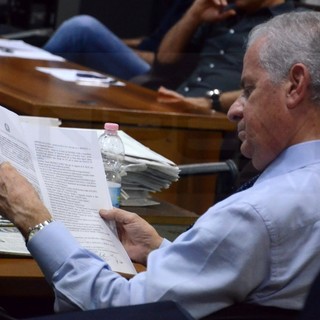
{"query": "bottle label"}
[(115, 193)]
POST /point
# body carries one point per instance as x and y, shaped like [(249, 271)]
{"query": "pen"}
[(89, 75), (4, 49)]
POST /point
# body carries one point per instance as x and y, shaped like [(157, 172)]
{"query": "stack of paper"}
[(145, 172), (21, 49)]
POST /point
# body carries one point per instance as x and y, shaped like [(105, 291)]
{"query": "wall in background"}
[(66, 9), (126, 18), (315, 2)]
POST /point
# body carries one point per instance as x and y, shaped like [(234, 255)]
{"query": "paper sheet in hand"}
[(65, 167)]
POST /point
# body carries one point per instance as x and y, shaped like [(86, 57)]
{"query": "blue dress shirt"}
[(261, 245)]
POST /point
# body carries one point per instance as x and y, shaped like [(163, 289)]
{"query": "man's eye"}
[(246, 92)]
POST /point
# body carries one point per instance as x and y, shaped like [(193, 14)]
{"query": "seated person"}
[(259, 246), (203, 51), (84, 40)]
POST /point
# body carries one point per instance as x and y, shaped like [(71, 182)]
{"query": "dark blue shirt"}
[(175, 12), (220, 48)]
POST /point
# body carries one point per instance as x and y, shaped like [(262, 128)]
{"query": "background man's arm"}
[(178, 37)]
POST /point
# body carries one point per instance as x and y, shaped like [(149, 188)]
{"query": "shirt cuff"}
[(51, 246)]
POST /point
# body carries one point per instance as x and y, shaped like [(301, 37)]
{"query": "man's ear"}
[(297, 86)]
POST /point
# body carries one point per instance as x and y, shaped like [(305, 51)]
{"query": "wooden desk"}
[(170, 129)]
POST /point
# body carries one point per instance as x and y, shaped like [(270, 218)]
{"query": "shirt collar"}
[(293, 158)]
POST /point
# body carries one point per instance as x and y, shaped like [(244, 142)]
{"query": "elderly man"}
[(260, 245)]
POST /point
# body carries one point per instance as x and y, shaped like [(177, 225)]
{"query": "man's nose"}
[(235, 112)]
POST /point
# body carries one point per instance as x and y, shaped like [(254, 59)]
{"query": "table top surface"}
[(28, 91)]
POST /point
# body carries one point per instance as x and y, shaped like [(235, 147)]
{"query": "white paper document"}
[(81, 77), (65, 167), (21, 49)]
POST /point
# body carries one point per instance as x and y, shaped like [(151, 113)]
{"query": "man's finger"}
[(117, 215)]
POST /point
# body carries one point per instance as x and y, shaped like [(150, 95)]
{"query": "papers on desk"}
[(146, 172), (12, 242), (81, 77), (53, 122), (21, 49)]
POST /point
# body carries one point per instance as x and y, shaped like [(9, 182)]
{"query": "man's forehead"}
[(244, 76), (251, 61)]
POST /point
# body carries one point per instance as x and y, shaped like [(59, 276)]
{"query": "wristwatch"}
[(214, 96), (36, 228)]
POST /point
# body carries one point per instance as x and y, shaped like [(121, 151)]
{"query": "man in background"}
[(85, 40)]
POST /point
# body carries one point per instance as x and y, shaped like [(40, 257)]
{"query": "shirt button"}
[(211, 65), (231, 31), (186, 89), (222, 52), (199, 79)]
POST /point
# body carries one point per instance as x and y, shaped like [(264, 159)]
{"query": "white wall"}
[(316, 2)]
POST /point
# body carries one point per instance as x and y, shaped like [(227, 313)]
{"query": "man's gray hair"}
[(290, 38)]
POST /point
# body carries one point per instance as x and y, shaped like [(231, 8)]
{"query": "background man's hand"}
[(210, 10), (197, 104)]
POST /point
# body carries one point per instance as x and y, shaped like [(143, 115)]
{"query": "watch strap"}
[(214, 96), (36, 228)]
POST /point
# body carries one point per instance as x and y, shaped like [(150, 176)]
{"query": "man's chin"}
[(245, 150)]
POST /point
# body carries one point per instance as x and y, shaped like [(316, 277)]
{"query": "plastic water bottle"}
[(112, 151)]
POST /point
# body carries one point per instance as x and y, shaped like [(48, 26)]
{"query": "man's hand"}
[(210, 10), (173, 45), (197, 105), (19, 201), (138, 237)]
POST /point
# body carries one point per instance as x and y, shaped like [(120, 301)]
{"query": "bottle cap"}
[(110, 126)]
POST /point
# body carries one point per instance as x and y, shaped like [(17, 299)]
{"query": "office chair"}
[(246, 311), (228, 166), (31, 21), (227, 172), (162, 310)]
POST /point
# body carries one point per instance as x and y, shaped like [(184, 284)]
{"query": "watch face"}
[(216, 92), (214, 95)]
